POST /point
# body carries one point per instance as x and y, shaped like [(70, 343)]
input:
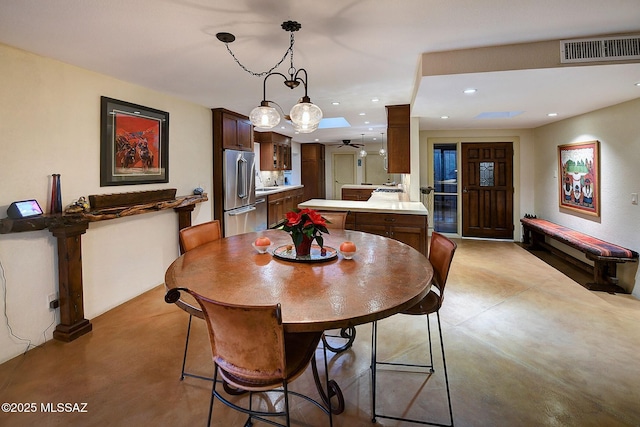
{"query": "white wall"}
[(618, 130), (50, 123)]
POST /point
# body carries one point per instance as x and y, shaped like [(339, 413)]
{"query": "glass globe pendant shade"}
[(382, 152), (303, 128), (363, 153), (306, 114), (264, 116)]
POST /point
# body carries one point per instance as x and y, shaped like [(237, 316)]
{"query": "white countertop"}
[(378, 203), (272, 190), (366, 186)]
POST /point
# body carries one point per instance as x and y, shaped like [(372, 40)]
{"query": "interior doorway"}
[(344, 172), (487, 190)]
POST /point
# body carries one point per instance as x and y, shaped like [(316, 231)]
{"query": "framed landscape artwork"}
[(579, 177), (134, 144)]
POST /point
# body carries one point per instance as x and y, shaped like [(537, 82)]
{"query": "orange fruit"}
[(347, 247), (263, 241)]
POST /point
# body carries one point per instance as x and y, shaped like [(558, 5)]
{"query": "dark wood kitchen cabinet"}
[(312, 175), (275, 151), (356, 193), (231, 131), (398, 139), (234, 131), (409, 229), (278, 204)]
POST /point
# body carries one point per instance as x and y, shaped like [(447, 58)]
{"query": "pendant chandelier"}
[(382, 150), (363, 152), (304, 116)]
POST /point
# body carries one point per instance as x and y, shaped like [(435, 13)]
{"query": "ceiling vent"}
[(600, 49)]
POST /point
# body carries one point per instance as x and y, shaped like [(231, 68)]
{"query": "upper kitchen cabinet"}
[(233, 130), (275, 151), (398, 139), (312, 173)]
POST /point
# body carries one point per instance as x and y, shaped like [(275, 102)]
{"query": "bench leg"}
[(605, 277)]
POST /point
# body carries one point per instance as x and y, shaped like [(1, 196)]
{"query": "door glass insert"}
[(445, 182), (486, 174)]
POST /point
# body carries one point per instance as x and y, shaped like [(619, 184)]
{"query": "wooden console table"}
[(68, 229)]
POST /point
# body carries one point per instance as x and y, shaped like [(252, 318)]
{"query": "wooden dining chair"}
[(196, 235), (190, 238), (441, 251), (252, 353)]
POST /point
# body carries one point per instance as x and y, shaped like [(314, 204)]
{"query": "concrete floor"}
[(525, 346)]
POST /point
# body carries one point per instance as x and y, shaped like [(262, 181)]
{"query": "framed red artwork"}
[(579, 177), (134, 144)]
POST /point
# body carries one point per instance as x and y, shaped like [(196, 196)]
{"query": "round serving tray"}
[(288, 253)]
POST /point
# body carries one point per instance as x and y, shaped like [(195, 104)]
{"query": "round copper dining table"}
[(384, 277)]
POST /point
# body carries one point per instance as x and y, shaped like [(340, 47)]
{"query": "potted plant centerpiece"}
[(305, 226)]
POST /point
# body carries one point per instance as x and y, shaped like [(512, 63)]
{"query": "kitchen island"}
[(385, 214)]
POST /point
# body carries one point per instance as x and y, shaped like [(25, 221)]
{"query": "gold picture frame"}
[(579, 177)]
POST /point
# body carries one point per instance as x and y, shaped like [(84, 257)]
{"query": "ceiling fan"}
[(347, 143)]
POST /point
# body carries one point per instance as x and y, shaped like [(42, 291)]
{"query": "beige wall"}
[(50, 123), (618, 130)]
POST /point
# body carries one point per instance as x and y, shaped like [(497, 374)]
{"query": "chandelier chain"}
[(264, 73)]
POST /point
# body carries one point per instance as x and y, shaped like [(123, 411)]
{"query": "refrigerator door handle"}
[(241, 177), (242, 211)]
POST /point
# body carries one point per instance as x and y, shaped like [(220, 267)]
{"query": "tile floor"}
[(525, 346)]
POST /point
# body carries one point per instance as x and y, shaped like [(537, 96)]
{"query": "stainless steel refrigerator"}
[(239, 192)]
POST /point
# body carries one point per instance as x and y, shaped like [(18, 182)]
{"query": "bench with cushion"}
[(605, 256)]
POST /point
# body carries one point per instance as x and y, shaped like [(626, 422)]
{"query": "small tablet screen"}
[(24, 209), (29, 208)]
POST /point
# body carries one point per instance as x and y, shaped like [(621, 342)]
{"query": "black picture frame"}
[(134, 144)]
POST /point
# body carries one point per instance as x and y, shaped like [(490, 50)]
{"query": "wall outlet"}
[(52, 301)]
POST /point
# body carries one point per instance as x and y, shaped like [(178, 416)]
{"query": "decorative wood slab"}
[(101, 201)]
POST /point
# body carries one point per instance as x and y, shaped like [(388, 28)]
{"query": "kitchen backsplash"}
[(269, 178)]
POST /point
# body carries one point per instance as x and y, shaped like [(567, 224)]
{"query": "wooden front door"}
[(487, 190)]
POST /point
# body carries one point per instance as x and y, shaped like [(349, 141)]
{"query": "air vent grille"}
[(600, 49)]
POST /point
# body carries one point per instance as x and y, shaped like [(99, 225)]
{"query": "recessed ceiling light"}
[(370, 128), (638, 84), (335, 103), (375, 100), (367, 122), (470, 91), (362, 114), (444, 117), (552, 114), (317, 140)]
